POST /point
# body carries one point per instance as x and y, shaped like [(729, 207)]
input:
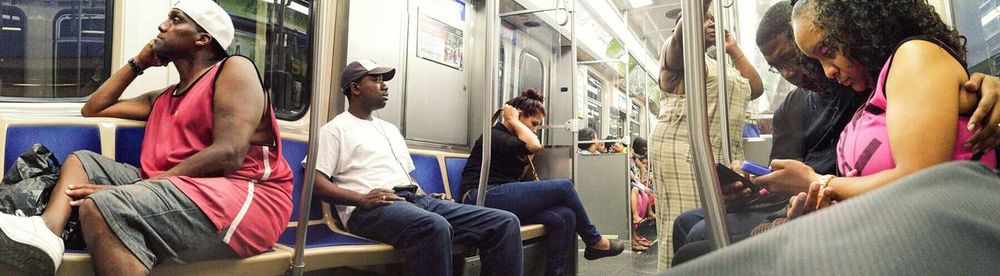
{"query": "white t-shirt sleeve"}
[(327, 152)]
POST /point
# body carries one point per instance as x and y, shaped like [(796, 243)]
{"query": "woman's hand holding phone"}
[(788, 176)]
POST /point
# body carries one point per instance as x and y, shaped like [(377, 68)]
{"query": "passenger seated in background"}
[(614, 146), (888, 138), (361, 158), (587, 142), (939, 221), (638, 173), (807, 126), (209, 140), (641, 197), (514, 186)]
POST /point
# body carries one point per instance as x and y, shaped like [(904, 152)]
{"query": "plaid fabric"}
[(670, 154), (763, 227)]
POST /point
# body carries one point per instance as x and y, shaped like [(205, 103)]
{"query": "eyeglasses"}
[(795, 62)]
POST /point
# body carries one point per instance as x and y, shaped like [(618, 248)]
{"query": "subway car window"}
[(69, 44), (531, 74), (594, 105), (502, 74), (275, 34), (618, 109), (634, 119), (979, 22)]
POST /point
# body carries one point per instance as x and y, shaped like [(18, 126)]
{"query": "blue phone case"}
[(754, 169)]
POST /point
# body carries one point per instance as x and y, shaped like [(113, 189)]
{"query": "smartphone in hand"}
[(405, 188), (727, 175), (754, 168)]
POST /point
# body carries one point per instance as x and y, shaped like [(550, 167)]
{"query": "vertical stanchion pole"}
[(329, 39), (492, 58), (723, 101), (572, 88), (697, 113)]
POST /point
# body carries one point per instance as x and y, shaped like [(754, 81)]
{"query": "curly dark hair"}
[(868, 32)]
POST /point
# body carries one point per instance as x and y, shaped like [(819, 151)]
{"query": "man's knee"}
[(507, 219), (72, 162), (429, 224), (90, 215), (685, 222), (690, 217)]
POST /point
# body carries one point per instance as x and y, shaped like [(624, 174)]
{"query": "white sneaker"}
[(27, 244)]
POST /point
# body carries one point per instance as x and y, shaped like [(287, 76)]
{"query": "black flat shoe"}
[(614, 249)]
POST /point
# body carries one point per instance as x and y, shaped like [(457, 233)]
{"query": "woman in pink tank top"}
[(914, 65)]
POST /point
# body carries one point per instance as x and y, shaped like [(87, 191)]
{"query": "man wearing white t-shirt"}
[(361, 158)]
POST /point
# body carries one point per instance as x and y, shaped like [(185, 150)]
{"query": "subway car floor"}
[(628, 263)]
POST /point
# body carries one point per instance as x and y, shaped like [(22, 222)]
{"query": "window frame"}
[(280, 53), (109, 16)]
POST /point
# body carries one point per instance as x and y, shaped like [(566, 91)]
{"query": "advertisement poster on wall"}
[(440, 32)]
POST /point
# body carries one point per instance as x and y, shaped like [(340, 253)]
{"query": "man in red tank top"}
[(212, 183)]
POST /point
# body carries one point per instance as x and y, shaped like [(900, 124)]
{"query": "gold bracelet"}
[(825, 181)]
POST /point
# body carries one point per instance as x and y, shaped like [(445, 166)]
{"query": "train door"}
[(535, 46), (435, 107)]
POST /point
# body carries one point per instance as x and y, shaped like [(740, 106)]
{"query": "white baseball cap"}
[(211, 17)]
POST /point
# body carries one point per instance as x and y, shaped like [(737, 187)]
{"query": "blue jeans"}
[(690, 226), (426, 228), (683, 225), (553, 203)]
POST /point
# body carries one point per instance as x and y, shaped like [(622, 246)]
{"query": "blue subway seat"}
[(454, 167), (294, 152), (60, 139), (128, 144), (320, 235), (428, 173)]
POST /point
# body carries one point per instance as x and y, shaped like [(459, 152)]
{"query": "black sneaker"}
[(615, 248)]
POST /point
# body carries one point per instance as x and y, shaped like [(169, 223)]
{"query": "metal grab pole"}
[(326, 63), (573, 94), (701, 152), (723, 101), (492, 56)]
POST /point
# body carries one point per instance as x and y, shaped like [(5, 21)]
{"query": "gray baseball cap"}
[(361, 68)]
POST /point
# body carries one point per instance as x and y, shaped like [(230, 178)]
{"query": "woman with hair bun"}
[(514, 185)]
